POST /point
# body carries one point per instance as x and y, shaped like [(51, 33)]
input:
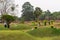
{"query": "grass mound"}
[(15, 35), (45, 32), (20, 27)]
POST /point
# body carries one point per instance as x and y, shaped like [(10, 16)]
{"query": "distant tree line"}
[(30, 14)]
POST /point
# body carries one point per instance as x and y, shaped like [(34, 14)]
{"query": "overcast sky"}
[(52, 5)]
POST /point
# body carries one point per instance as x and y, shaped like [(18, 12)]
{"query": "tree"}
[(7, 6), (47, 15), (27, 11), (37, 14), (8, 19), (42, 17), (56, 15)]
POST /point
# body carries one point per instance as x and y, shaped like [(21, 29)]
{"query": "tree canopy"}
[(27, 11), (37, 13), (8, 18)]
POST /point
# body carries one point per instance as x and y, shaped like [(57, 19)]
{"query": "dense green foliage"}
[(27, 10), (47, 15), (8, 18), (37, 13), (56, 15), (27, 13)]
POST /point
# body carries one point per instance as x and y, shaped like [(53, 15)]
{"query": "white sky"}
[(52, 5)]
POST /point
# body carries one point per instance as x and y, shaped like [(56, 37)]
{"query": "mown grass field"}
[(24, 32)]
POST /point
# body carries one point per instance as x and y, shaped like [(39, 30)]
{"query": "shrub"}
[(8, 19)]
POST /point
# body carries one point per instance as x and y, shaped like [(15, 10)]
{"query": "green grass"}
[(14, 35), (17, 32), (45, 32), (19, 35), (49, 38), (14, 32), (20, 27), (16, 27), (2, 27)]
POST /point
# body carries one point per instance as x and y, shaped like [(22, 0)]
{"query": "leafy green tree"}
[(56, 15), (8, 19), (42, 17), (27, 11), (37, 14), (47, 15)]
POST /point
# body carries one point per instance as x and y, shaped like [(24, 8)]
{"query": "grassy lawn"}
[(24, 32), (16, 27), (49, 38), (19, 35), (45, 33), (14, 35)]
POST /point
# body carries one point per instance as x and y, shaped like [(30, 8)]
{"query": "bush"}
[(8, 19)]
